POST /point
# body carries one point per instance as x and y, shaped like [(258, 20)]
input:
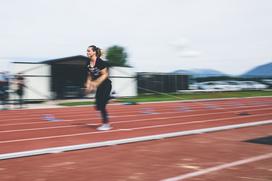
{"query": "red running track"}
[(222, 155), (24, 130)]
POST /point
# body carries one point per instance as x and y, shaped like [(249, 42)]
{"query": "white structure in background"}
[(124, 81), (37, 79)]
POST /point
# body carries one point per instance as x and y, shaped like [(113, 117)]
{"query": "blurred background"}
[(152, 46)]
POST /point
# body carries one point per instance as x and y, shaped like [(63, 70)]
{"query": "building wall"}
[(124, 82), (37, 80)]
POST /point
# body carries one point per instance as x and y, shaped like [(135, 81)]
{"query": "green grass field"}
[(179, 96)]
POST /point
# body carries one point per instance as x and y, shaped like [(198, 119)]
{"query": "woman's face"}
[(90, 52)]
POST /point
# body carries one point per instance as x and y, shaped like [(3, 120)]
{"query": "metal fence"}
[(161, 82)]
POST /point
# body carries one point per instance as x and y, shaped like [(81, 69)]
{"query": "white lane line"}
[(46, 128), (195, 104), (37, 129), (130, 129), (128, 140), (38, 116), (59, 136), (219, 167), (131, 115), (139, 120), (85, 113), (184, 123)]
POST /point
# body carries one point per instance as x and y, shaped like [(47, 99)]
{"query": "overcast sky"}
[(231, 36)]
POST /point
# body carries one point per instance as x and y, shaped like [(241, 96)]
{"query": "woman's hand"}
[(90, 87)]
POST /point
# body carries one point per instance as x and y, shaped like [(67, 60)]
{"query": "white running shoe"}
[(104, 127)]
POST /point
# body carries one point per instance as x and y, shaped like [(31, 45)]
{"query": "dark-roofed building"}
[(68, 76)]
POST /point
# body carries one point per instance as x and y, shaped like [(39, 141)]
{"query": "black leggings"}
[(102, 97)]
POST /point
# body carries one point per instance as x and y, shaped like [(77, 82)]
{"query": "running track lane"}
[(155, 160), (166, 119)]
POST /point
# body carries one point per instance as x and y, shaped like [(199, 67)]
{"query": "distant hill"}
[(201, 73), (260, 71)]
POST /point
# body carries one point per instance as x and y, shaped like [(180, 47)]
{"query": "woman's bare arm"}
[(104, 76)]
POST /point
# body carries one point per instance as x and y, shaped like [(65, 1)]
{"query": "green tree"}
[(117, 56)]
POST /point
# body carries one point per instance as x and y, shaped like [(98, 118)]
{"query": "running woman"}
[(98, 80)]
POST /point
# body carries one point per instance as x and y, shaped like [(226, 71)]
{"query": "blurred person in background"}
[(4, 87), (20, 86), (98, 80)]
